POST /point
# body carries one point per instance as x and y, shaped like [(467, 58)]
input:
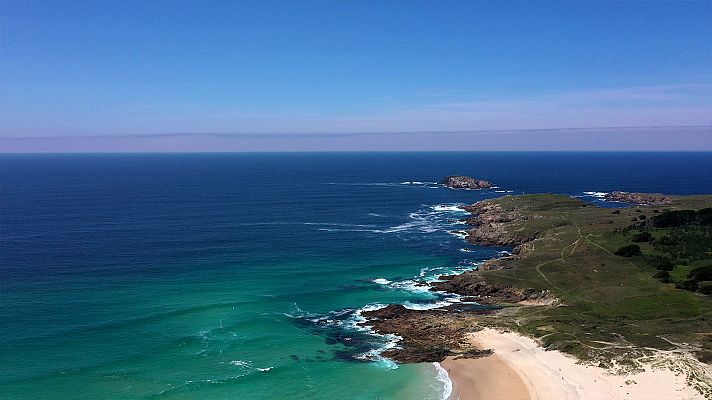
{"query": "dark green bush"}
[(661, 263), (675, 218), (694, 278), (642, 237), (704, 217), (701, 274), (704, 287), (629, 251), (664, 276)]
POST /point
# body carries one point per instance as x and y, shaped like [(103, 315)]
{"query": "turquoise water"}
[(241, 276)]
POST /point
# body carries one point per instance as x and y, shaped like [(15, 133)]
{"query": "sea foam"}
[(445, 379)]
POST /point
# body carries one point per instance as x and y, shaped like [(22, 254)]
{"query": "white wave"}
[(371, 307), (449, 207), (240, 363), (375, 356), (599, 195), (445, 379), (426, 306), (264, 369), (410, 285), (418, 183), (458, 234)]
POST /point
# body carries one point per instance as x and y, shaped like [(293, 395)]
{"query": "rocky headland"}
[(428, 335), (639, 198), (490, 225), (465, 182), (562, 285)]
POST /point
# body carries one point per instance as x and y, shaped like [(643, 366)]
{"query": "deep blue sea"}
[(241, 276)]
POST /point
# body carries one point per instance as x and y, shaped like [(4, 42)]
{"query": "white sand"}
[(551, 375)]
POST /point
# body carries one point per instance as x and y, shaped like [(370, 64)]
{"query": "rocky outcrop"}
[(472, 285), (432, 335), (639, 198), (491, 225), (427, 335), (465, 182)]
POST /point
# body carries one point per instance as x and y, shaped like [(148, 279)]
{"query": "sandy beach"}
[(520, 369)]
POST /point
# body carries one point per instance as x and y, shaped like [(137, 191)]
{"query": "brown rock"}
[(465, 182), (639, 198)]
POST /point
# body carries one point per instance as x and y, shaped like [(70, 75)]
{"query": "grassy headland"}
[(613, 301)]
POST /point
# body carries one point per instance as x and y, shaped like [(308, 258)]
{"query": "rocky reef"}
[(464, 182), (472, 285), (428, 335), (639, 198)]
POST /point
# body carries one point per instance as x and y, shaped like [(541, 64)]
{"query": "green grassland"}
[(610, 305)]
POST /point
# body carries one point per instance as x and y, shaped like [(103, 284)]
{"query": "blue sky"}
[(88, 69)]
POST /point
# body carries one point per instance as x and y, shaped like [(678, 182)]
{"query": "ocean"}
[(242, 276)]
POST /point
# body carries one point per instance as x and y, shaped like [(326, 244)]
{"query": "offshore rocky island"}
[(621, 289)]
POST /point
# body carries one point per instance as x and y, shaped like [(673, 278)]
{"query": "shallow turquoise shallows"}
[(242, 276)]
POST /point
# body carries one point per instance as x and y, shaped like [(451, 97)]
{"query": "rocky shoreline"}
[(489, 225), (432, 335), (639, 198)]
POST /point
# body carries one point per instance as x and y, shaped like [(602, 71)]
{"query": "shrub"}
[(664, 276), (642, 237), (704, 287), (629, 251), (701, 274), (697, 275), (704, 216), (642, 217), (661, 263), (616, 212), (675, 218)]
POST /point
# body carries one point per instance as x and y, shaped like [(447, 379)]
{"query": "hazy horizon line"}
[(363, 133), (630, 138)]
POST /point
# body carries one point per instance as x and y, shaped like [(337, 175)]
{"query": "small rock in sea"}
[(465, 182)]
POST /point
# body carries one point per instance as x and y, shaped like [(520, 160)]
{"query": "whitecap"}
[(599, 195), (240, 363), (426, 306), (449, 207), (381, 281), (410, 285), (458, 234)]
